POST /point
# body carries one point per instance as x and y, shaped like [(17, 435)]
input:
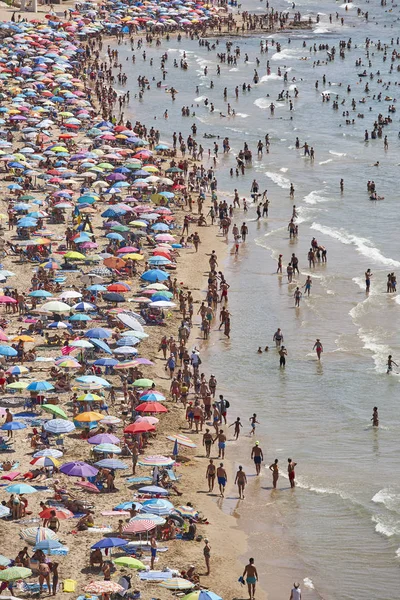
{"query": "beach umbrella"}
[(45, 461), (129, 561), (58, 426), (143, 383), (139, 526), (129, 505), (61, 513), (17, 385), (177, 583), (48, 452), (88, 417), (156, 461), (151, 407), (103, 587), (93, 379), (154, 489), (106, 362), (154, 275), (78, 469), (20, 488), (109, 543), (155, 518), (111, 463), (89, 398), (107, 448), (33, 535), (135, 428), (110, 420), (104, 438), (40, 386), (81, 344), (56, 306), (113, 297), (55, 410), (17, 370), (8, 351), (13, 426), (50, 544), (183, 440), (152, 396), (202, 595), (186, 511), (88, 487), (151, 420), (15, 573), (98, 333), (102, 345)]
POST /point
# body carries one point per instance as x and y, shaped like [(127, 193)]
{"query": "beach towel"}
[(11, 475), (103, 529), (155, 575), (69, 585)]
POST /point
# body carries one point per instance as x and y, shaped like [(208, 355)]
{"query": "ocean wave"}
[(200, 99), (337, 153), (321, 30), (269, 77), (379, 351), (286, 54), (325, 162), (279, 180), (363, 245), (389, 498), (315, 197), (262, 103), (385, 526)]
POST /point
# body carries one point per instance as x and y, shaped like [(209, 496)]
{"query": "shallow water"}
[(340, 530)]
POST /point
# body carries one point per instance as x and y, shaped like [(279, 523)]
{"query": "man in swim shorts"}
[(258, 456), (250, 572), (221, 437), (221, 478), (291, 473)]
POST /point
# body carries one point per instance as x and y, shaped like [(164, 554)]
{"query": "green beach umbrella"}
[(55, 410), (144, 383), (15, 573), (128, 561)]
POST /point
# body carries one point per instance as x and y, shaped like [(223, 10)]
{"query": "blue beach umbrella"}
[(13, 426), (40, 386), (154, 275), (8, 351), (98, 333), (102, 345), (111, 463), (109, 543), (20, 488)]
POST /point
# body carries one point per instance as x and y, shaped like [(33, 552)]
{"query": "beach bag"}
[(69, 585), (227, 404)]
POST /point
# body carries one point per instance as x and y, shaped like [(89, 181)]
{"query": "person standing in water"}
[(297, 296), (241, 481), (278, 337), (318, 347), (282, 356), (375, 417), (237, 425), (390, 363), (275, 472), (368, 276), (258, 456), (291, 473), (253, 422)]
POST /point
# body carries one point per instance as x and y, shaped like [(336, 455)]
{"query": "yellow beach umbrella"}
[(89, 417)]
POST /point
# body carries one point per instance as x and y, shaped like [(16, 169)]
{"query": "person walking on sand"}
[(207, 442), (295, 594), (207, 555), (318, 347), (241, 481), (221, 478), (251, 575), (275, 473), (221, 437), (210, 475), (258, 456), (237, 425), (390, 363), (291, 473), (253, 423)]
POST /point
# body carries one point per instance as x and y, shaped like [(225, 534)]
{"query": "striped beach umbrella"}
[(34, 535), (156, 461), (183, 440), (177, 583), (139, 526)]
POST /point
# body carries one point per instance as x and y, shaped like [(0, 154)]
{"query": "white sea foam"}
[(308, 583), (233, 70), (389, 498), (383, 528), (315, 197), (284, 170), (321, 30), (286, 54), (279, 180), (337, 153), (262, 103), (200, 99), (242, 115), (363, 245), (373, 344), (325, 162), (270, 77)]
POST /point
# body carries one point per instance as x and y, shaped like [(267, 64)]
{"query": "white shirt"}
[(296, 594)]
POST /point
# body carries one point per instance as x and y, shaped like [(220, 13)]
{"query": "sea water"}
[(338, 532)]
